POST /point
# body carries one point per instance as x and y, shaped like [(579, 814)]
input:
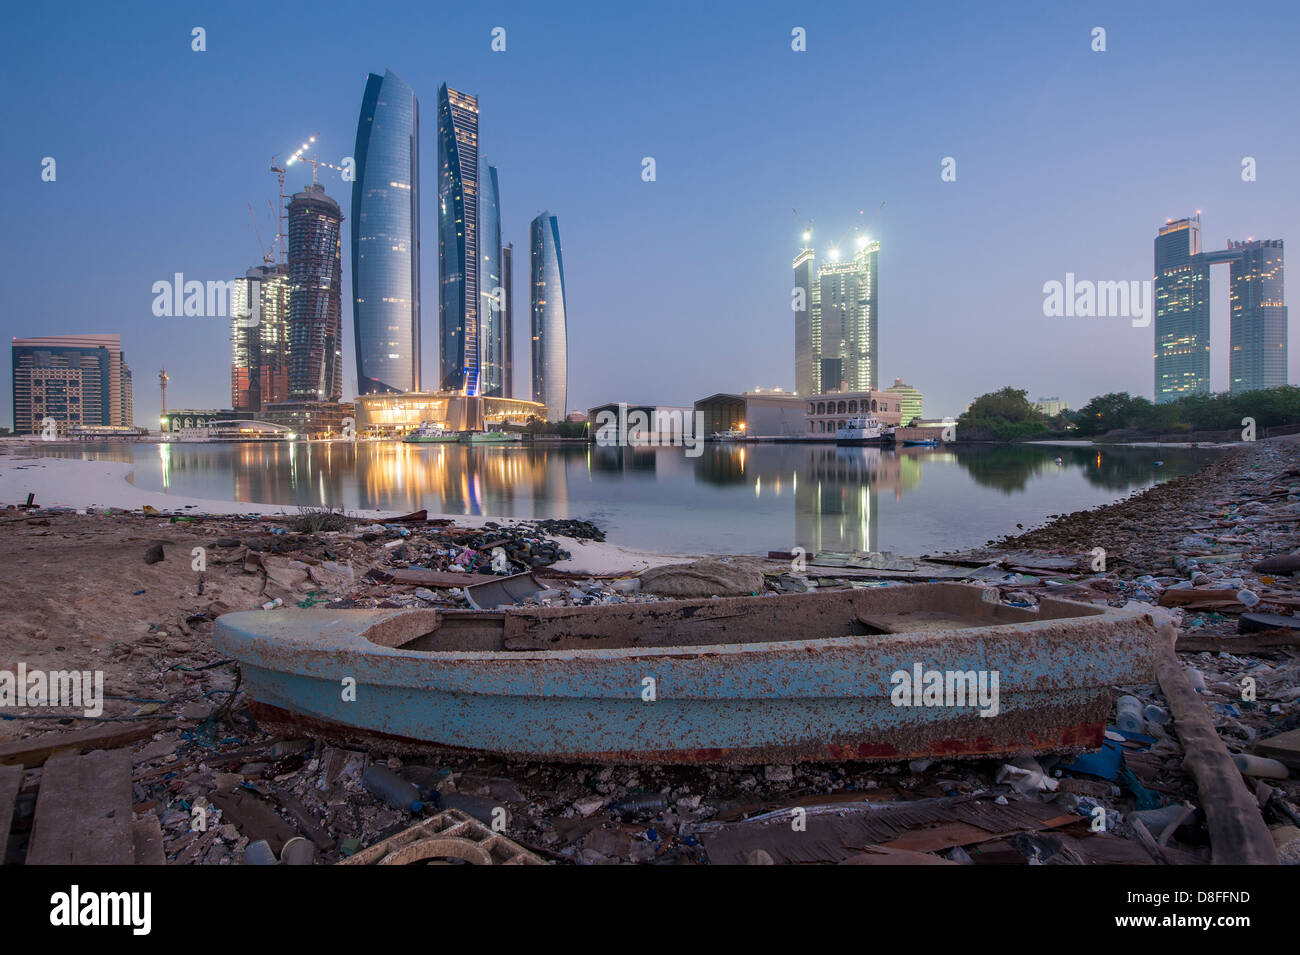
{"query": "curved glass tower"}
[(458, 238), (492, 300), (386, 238), (549, 325)]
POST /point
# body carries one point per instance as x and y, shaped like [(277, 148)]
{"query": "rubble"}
[(1196, 549)]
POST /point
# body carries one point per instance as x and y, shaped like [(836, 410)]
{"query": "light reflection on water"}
[(732, 499)]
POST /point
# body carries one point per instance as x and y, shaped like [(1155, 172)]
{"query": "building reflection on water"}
[(834, 490), (731, 499)]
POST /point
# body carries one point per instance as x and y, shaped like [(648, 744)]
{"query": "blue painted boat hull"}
[(766, 694)]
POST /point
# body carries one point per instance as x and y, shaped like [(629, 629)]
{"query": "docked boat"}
[(927, 443), (428, 433), (891, 673), (864, 429), (732, 435), (491, 437)]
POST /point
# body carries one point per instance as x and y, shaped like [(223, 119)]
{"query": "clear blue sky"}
[(1067, 160)]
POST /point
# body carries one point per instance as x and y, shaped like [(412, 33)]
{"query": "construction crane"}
[(268, 255), (862, 236), (806, 227), (315, 163), (282, 232)]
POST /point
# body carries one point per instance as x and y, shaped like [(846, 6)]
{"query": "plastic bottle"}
[(259, 853), (1248, 597), (272, 604), (1155, 714), (1260, 766), (639, 804), (391, 788), (1129, 715)]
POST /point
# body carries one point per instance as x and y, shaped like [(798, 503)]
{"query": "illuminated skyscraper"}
[(550, 349), (259, 333), (1182, 307), (1257, 356), (315, 297), (458, 241), (1258, 334), (845, 317), (805, 341), (386, 238), (835, 335), (508, 320), (492, 313)]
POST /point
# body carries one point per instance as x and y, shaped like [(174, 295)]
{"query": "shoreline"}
[(89, 597)]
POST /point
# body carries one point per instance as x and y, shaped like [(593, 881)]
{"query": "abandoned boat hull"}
[(352, 675)]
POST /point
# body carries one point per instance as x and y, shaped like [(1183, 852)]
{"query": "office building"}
[(458, 241), (72, 380), (910, 399), (386, 238), (508, 320), (315, 297), (836, 342), (1258, 335), (1182, 312), (259, 333), (1257, 356), (492, 313), (807, 339), (549, 325)]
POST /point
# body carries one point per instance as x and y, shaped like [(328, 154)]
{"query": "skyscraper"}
[(1182, 306), (845, 317), (508, 319), (458, 241), (1257, 355), (1258, 334), (315, 299), (386, 238), (806, 377), (491, 291), (550, 349), (74, 380), (259, 333), (835, 335)]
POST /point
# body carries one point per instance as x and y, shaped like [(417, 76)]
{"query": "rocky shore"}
[(85, 593)]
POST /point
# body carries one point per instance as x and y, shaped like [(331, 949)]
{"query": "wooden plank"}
[(437, 578), (83, 810), (11, 780), (1238, 835), (254, 818), (34, 752), (147, 841), (104, 813), (1242, 643), (54, 828)]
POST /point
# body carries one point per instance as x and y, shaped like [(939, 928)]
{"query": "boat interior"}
[(903, 609)]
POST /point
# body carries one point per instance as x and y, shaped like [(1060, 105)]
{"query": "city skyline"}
[(1054, 136)]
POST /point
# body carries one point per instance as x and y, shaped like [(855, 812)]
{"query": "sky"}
[(1067, 160)]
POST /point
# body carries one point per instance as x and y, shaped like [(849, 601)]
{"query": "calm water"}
[(732, 499)]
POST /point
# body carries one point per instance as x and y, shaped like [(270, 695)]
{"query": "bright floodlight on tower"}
[(862, 241), (834, 254), (807, 235)]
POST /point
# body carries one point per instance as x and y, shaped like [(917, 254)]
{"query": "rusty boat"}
[(883, 673)]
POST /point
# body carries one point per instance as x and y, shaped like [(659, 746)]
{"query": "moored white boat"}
[(864, 429)]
